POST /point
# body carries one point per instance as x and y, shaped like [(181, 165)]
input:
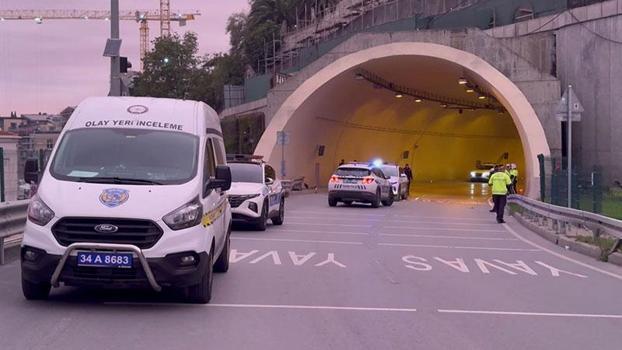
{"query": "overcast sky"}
[(46, 67)]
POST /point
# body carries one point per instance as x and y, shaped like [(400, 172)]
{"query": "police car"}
[(256, 195), (360, 182), (399, 181)]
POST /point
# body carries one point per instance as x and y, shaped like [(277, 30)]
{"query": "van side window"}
[(219, 148), (209, 164)]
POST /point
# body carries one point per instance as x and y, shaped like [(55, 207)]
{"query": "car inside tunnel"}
[(450, 124)]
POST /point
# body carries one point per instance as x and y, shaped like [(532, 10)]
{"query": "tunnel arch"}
[(530, 130)]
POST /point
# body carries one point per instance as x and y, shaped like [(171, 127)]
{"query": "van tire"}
[(263, 220), (376, 202), (202, 293), (35, 291), (278, 220), (222, 263)]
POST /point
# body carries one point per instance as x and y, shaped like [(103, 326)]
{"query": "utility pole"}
[(569, 146), (115, 41)]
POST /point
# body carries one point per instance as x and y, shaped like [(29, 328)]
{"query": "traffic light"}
[(125, 64)]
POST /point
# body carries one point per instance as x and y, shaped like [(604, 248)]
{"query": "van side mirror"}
[(222, 180), (269, 181), (31, 171)]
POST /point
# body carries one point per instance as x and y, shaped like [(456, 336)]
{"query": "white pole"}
[(569, 146)]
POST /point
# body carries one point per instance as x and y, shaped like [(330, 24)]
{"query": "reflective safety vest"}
[(499, 182), (514, 173)]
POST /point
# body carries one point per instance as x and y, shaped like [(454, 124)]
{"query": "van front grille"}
[(142, 233)]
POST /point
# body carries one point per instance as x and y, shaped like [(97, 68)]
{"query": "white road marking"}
[(312, 307), (392, 221), (561, 256), (285, 230), (322, 224), (336, 214), (293, 240), (272, 306), (448, 237), (456, 247), (517, 313), (440, 229)]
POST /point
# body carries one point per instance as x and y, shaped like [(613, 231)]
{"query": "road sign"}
[(282, 138), (576, 108)]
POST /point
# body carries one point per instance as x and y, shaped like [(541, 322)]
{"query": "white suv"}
[(399, 180), (256, 195), (359, 182)]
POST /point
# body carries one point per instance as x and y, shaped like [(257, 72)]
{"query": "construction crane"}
[(163, 15)]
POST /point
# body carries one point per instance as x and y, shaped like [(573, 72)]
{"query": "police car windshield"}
[(246, 172), (129, 156), (390, 170), (357, 172)]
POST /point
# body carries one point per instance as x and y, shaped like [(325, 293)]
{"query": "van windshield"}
[(128, 156), (390, 170)]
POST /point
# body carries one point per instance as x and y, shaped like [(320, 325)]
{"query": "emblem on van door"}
[(114, 197), (137, 109), (106, 228)]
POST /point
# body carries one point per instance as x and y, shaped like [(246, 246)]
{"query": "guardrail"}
[(12, 221), (567, 222)]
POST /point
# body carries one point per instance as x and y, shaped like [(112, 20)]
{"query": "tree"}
[(171, 69)]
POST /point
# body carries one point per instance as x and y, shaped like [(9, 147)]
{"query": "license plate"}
[(349, 181), (105, 259)]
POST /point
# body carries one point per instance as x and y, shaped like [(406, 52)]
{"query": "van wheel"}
[(389, 201), (376, 202), (332, 202), (278, 220), (35, 291), (222, 264), (263, 220), (202, 293)]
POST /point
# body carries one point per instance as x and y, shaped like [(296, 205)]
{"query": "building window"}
[(50, 144)]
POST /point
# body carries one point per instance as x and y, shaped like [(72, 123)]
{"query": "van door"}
[(274, 190), (213, 200)]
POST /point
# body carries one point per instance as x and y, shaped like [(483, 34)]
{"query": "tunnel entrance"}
[(447, 113)]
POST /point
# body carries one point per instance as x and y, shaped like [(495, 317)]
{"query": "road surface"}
[(423, 274)]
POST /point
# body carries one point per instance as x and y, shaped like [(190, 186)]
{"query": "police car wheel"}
[(332, 202), (263, 220), (35, 291), (202, 293), (389, 201), (278, 220), (376, 202)]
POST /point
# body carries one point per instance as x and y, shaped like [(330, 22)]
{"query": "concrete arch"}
[(530, 129)]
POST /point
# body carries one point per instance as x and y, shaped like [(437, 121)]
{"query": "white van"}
[(134, 195)]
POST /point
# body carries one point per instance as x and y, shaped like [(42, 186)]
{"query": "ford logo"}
[(106, 228)]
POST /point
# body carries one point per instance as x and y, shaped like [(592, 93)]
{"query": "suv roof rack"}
[(244, 158)]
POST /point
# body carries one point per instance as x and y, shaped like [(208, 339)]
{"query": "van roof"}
[(144, 113)]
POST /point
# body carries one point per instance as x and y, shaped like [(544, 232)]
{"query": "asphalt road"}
[(423, 274)]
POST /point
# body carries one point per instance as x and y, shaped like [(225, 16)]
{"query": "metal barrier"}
[(12, 221), (563, 221)]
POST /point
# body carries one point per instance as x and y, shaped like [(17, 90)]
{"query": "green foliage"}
[(173, 69)]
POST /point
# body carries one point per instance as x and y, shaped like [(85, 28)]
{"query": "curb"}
[(563, 241)]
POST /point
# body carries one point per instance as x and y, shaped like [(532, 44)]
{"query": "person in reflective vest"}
[(499, 183)]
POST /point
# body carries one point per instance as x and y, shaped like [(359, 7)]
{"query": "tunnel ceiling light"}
[(398, 95), (418, 100), (462, 81), (359, 76), (470, 90), (443, 105), (482, 97)]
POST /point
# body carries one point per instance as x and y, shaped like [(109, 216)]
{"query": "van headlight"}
[(187, 215), (473, 174), (38, 212)]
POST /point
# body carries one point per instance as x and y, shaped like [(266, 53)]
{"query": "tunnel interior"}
[(362, 115)]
